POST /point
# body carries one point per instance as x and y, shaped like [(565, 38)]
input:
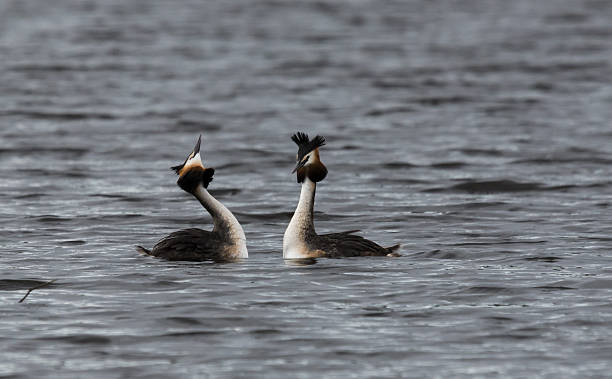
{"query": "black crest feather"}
[(305, 145), (178, 168), (300, 138)]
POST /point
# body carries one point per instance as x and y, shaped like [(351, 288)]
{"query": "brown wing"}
[(190, 245), (345, 244)]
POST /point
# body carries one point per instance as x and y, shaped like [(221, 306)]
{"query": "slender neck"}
[(301, 227), (302, 218), (224, 221)]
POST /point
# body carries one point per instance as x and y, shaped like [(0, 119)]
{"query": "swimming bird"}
[(226, 242), (300, 240)]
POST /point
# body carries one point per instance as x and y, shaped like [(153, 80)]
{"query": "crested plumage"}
[(305, 145), (308, 160), (225, 242), (300, 239)]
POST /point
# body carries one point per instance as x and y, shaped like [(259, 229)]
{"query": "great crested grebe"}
[(226, 242), (301, 240)]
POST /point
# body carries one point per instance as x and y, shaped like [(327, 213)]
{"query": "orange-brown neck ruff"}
[(315, 170), (191, 163), (190, 179)]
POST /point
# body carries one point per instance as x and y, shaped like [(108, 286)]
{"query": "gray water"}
[(475, 133)]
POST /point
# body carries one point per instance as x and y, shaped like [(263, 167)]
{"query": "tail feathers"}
[(142, 250), (393, 251)]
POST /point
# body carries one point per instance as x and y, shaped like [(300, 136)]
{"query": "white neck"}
[(301, 225), (224, 221)]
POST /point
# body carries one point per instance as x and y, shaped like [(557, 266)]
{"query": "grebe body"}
[(226, 242), (301, 240)]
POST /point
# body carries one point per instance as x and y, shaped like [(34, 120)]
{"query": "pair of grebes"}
[(227, 242)]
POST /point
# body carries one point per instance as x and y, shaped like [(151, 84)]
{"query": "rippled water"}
[(475, 133)]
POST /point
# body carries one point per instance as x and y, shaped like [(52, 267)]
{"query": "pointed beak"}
[(190, 161), (299, 165), (196, 149)]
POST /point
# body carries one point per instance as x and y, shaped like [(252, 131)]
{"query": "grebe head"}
[(308, 159), (192, 172)]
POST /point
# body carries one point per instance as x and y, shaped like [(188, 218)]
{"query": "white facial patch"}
[(195, 161), (308, 158)]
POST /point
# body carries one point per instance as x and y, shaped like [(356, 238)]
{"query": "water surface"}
[(475, 133)]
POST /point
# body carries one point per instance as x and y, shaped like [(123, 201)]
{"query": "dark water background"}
[(475, 133)]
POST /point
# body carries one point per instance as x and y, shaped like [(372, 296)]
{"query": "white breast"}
[(294, 247)]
